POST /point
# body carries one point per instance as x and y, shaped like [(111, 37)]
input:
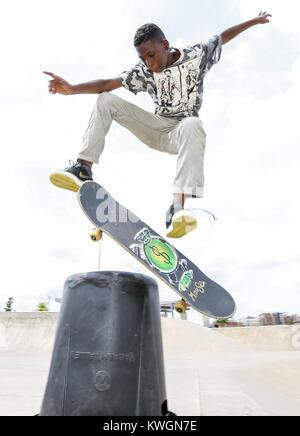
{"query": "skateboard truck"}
[(96, 235), (180, 306)]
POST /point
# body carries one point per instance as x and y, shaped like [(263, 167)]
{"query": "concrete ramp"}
[(27, 332), (267, 338), (208, 372), (220, 375)]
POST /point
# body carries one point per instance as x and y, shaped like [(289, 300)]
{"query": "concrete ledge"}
[(268, 338), (30, 331)]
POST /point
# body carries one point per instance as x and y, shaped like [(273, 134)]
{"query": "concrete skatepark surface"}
[(250, 371)]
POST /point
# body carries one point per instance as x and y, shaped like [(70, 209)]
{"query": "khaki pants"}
[(184, 138)]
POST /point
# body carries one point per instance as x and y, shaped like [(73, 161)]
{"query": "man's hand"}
[(263, 18), (58, 85), (232, 32)]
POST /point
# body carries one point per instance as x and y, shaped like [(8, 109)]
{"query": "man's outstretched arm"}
[(234, 31), (61, 86)]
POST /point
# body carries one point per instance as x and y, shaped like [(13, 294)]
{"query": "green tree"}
[(8, 307), (42, 307)]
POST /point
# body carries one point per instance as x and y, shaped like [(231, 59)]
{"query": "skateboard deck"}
[(157, 254)]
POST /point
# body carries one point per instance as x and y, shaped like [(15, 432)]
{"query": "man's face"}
[(154, 54)]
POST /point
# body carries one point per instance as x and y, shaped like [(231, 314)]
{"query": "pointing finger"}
[(51, 74)]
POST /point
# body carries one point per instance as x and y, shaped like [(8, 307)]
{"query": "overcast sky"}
[(250, 113)]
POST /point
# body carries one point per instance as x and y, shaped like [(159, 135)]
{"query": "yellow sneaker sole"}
[(182, 226), (62, 180)]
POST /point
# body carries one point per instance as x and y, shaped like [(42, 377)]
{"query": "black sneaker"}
[(72, 177), (179, 221)]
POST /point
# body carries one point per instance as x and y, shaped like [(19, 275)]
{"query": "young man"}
[(174, 79)]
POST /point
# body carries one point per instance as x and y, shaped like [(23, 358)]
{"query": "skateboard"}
[(154, 252)]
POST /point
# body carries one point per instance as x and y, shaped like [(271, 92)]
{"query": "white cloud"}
[(284, 14), (237, 59)]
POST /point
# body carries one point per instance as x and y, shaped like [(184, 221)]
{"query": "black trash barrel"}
[(107, 358)]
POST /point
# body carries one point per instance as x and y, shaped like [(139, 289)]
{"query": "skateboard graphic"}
[(158, 255)]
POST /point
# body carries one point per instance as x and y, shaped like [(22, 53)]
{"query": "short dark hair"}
[(148, 32)]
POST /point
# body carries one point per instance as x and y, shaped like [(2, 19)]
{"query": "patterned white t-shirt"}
[(176, 91)]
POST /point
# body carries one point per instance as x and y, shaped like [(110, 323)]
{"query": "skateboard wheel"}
[(96, 235), (180, 306)]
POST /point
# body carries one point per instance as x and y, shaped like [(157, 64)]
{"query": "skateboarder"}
[(174, 79)]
